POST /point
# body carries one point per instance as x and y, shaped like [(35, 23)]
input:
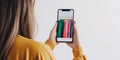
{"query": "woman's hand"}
[(52, 35), (75, 43)]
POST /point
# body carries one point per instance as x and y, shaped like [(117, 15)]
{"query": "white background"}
[(98, 24)]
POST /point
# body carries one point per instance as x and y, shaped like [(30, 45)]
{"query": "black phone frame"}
[(57, 28)]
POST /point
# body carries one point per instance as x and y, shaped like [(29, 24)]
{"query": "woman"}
[(16, 34)]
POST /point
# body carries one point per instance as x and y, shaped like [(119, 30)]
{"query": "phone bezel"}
[(73, 24)]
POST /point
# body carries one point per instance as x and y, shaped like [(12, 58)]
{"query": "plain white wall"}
[(98, 23)]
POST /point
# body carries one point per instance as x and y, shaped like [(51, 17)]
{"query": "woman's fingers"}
[(52, 35), (76, 35), (55, 27), (75, 28)]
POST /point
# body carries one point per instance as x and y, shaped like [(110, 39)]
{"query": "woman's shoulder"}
[(23, 46), (26, 43)]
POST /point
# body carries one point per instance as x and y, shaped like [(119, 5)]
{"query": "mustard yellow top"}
[(28, 49)]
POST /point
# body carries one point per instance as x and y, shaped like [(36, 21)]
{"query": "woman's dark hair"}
[(16, 18)]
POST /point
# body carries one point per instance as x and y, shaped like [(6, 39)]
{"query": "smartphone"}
[(65, 25)]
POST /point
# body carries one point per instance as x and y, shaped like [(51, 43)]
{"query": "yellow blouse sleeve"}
[(78, 54), (50, 44)]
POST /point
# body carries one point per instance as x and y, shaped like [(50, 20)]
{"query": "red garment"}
[(68, 28), (65, 29)]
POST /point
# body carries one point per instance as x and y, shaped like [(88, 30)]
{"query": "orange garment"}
[(28, 49)]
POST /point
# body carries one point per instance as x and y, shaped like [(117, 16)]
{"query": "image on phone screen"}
[(65, 25)]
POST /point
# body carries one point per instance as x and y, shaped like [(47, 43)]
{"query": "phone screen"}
[(65, 29)]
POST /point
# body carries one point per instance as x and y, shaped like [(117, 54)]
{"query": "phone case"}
[(65, 26)]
